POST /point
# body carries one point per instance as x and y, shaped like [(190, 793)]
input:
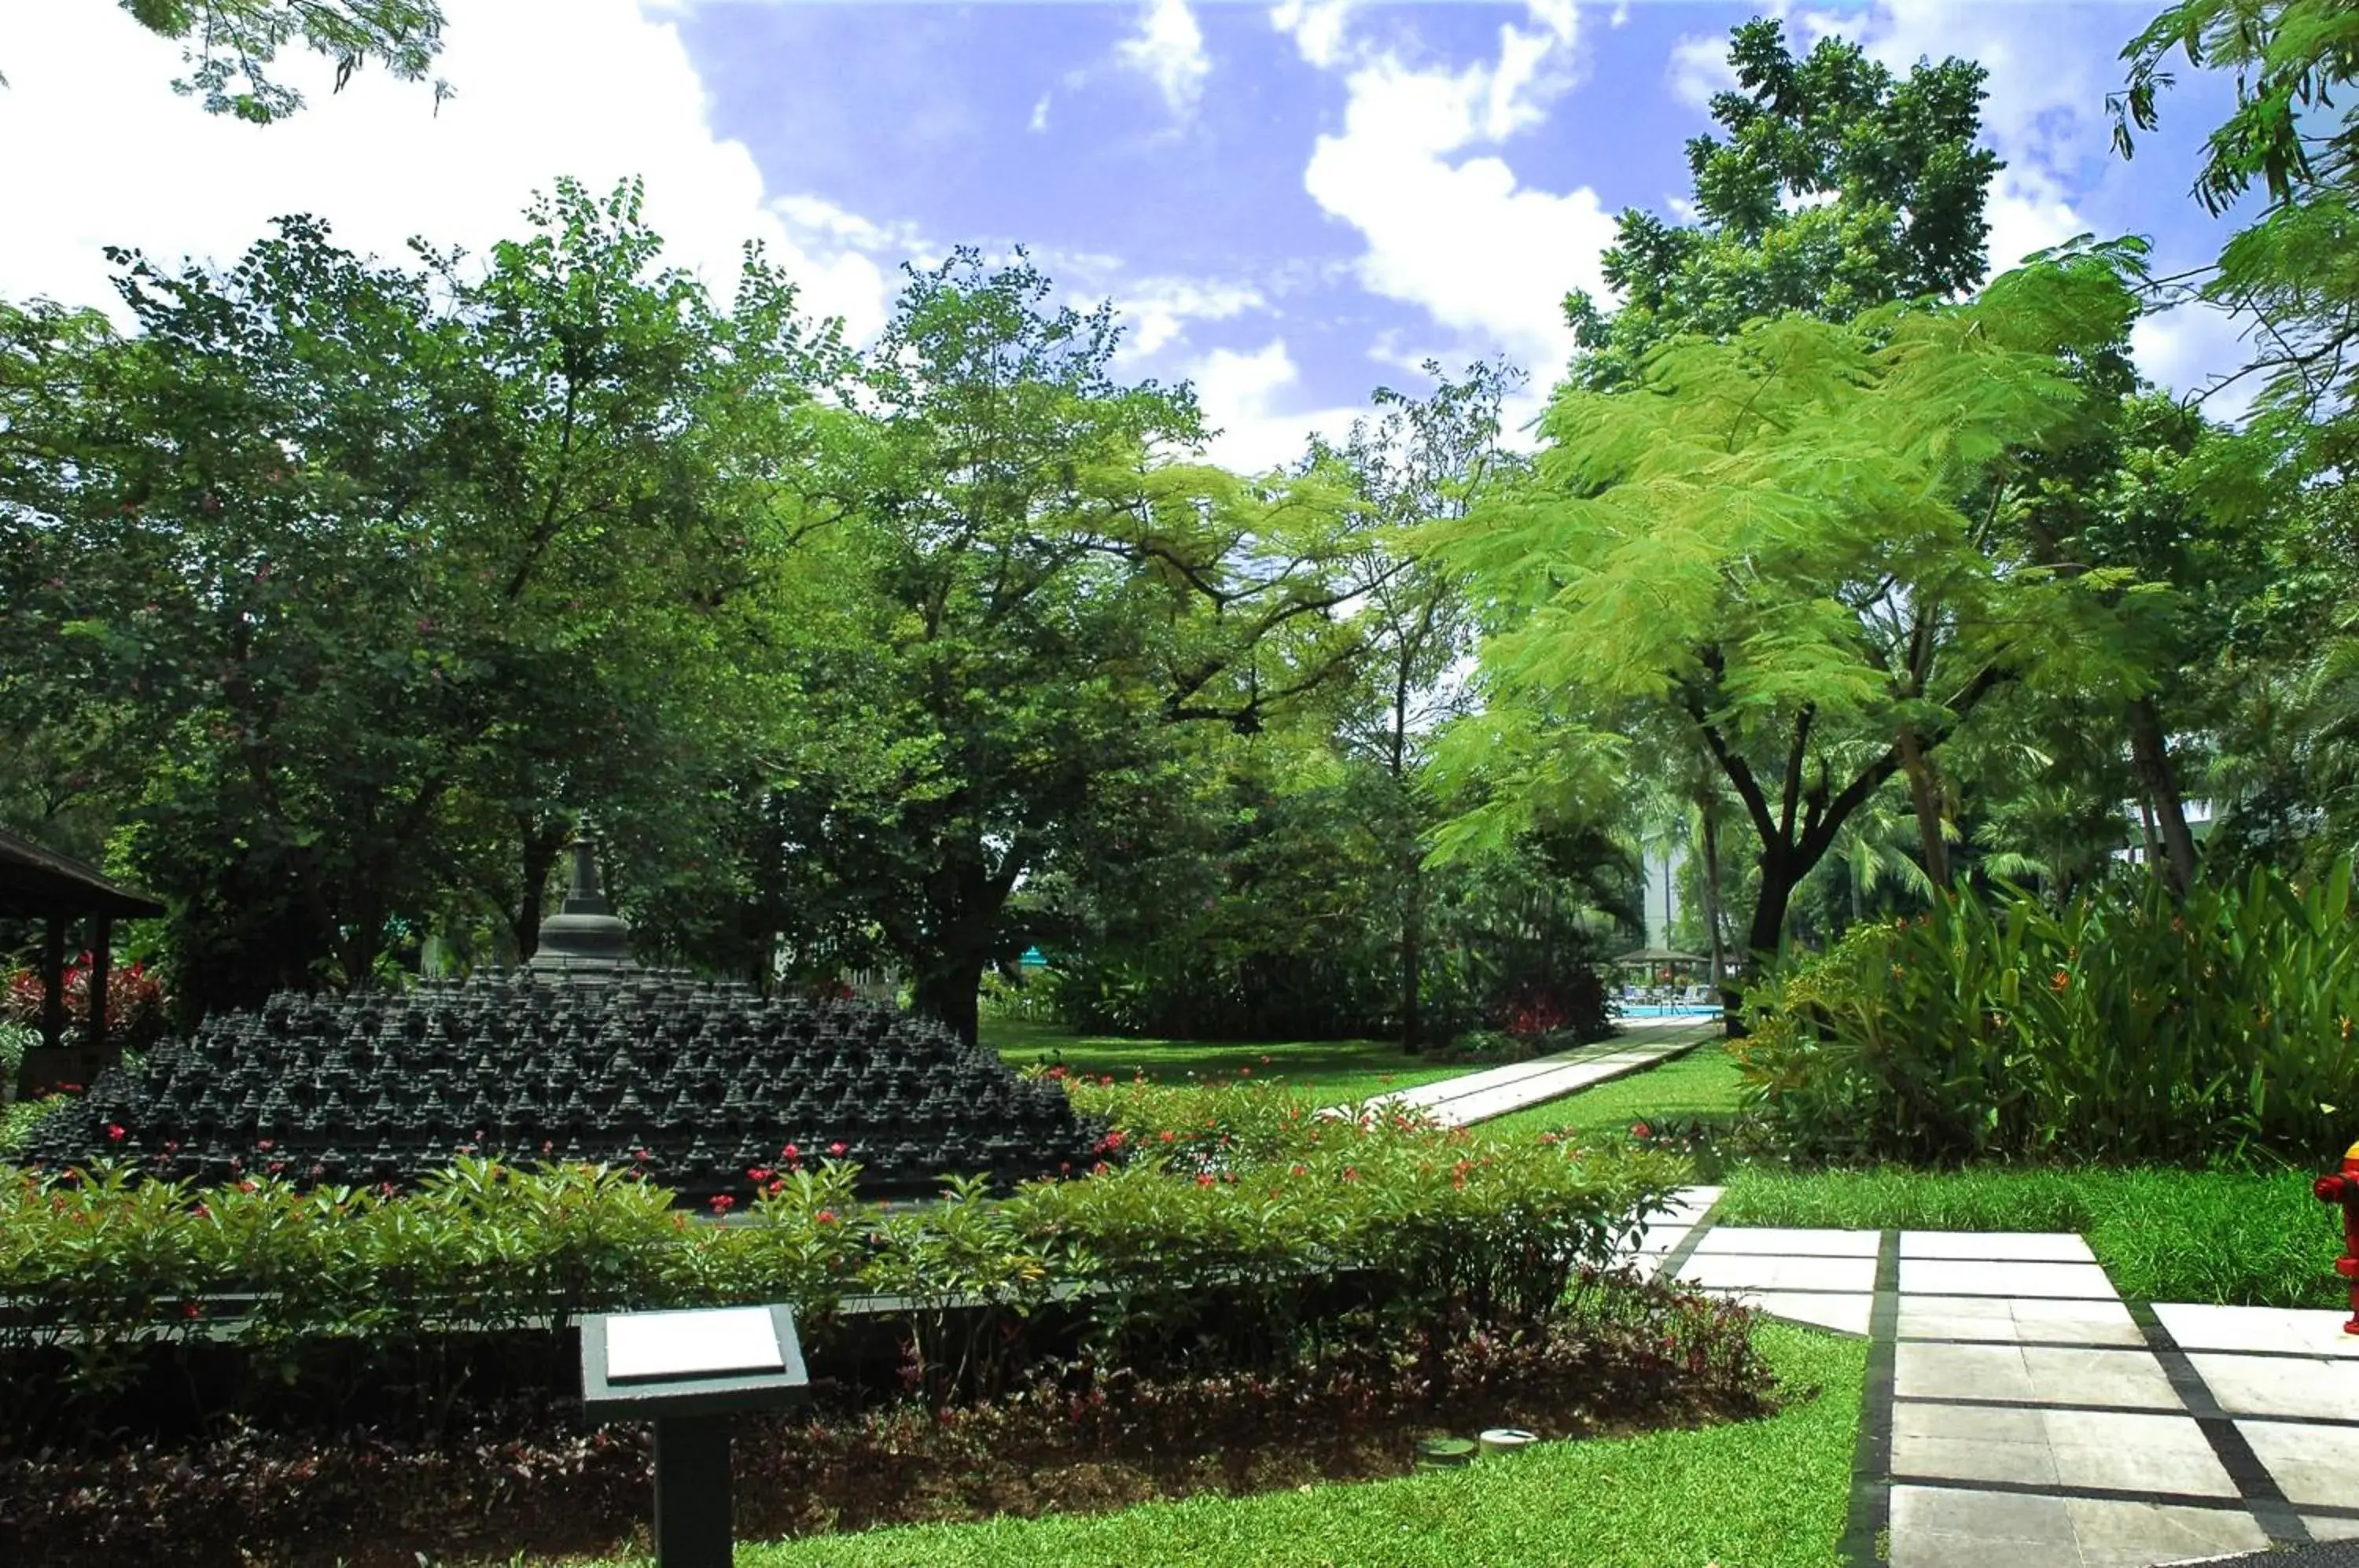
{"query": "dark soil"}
[(529, 1480)]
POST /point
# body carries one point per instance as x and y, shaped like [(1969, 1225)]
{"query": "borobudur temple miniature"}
[(582, 1057)]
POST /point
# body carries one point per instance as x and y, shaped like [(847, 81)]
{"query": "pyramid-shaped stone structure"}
[(582, 1057)]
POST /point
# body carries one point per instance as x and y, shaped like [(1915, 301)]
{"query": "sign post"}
[(688, 1372)]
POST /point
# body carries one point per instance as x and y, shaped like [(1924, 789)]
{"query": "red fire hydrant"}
[(2343, 1188)]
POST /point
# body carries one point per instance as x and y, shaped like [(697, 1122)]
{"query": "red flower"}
[(190, 1309), (1244, 1071), (722, 1202), (1205, 1179), (203, 1212), (836, 1150), (263, 1144), (1168, 1135), (759, 1174), (245, 1186), (791, 1152), (114, 1132), (825, 1217), (1351, 1173), (1640, 1129), (1298, 1170)]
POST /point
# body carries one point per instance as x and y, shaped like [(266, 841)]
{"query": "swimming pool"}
[(1657, 1010)]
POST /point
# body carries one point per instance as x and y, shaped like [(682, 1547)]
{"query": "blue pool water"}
[(1655, 1010)]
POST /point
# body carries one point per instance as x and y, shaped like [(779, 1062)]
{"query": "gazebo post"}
[(102, 963), (53, 983)]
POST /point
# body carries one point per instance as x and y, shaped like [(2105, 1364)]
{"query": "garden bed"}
[(1624, 1358)]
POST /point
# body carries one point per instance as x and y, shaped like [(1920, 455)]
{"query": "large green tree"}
[(1766, 539), (1032, 581)]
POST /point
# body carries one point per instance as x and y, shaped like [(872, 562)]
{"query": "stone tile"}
[(1958, 1276), (1789, 1242), (2312, 1464), (1989, 1517), (2134, 1453), (2099, 1377), (2133, 1535), (1962, 1443), (1843, 1314), (2021, 1246), (2091, 1376), (2199, 1327), (2325, 1526), (2012, 1320), (2280, 1385), (1959, 1372), (1752, 1272)]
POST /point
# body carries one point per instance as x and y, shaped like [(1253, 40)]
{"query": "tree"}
[(1031, 584), (1837, 189), (231, 45), (1765, 538), (1420, 460)]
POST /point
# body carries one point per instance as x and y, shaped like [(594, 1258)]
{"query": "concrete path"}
[(2019, 1412), (1495, 1090)]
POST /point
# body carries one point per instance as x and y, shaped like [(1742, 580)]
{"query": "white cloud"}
[(1169, 48), (597, 89), (1316, 26), (1458, 234), (2193, 347), (1156, 311), (1237, 392), (1699, 67), (1040, 114), (2028, 212)]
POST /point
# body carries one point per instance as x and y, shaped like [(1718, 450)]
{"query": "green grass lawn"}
[(1766, 1493), (1338, 1069), (2239, 1238), (1701, 1083)]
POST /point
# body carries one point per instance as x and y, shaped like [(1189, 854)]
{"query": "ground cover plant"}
[(1770, 1492), (1339, 1071), (1622, 1358)]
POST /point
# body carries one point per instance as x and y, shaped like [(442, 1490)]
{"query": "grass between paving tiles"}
[(2238, 1237), (1765, 1494), (1339, 1069)]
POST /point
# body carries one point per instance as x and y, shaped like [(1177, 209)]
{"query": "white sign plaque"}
[(703, 1344)]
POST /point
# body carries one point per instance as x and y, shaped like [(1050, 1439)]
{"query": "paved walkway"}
[(1495, 1090), (2019, 1412)]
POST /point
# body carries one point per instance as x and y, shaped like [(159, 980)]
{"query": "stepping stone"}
[(2018, 1247), (2313, 1333), (2309, 1463), (1755, 1271), (1940, 1526), (2031, 1373), (1834, 1310), (2282, 1386), (2012, 1320), (1789, 1243), (2102, 1449), (1960, 1277)]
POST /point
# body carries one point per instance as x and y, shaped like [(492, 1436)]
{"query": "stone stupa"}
[(581, 1055)]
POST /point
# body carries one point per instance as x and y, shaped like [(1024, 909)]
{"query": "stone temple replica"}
[(582, 1056)]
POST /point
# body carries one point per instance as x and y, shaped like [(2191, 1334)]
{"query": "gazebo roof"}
[(39, 883)]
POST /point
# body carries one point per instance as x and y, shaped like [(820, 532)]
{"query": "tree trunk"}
[(1925, 795), (1712, 893), (541, 850), (1412, 963), (1763, 941), (2150, 756), (953, 994)]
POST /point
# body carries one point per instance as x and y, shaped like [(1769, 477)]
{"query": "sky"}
[(1289, 204)]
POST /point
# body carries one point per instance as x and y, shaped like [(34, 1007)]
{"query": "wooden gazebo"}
[(42, 884)]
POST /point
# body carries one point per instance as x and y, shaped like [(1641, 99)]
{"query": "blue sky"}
[(1290, 202)]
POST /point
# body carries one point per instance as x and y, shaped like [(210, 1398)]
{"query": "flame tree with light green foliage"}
[(1764, 545)]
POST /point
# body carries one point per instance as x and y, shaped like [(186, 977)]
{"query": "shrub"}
[(1193, 1256), (135, 1002), (2122, 1026)]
